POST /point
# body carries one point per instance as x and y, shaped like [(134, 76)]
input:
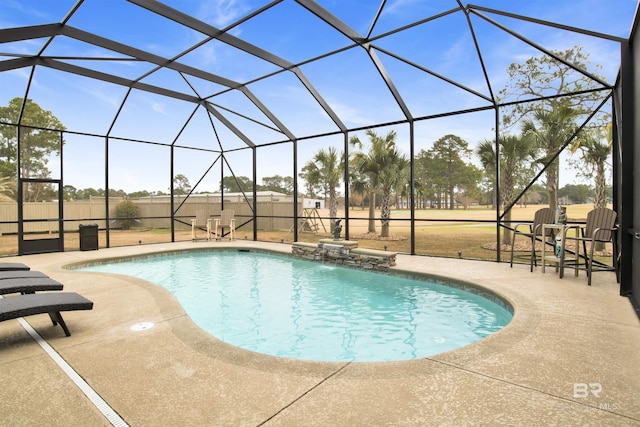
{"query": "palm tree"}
[(515, 153), (595, 154), (358, 184), (385, 168), (595, 147), (326, 169), (549, 131), (487, 153)]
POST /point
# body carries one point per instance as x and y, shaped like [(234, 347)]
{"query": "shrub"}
[(126, 213)]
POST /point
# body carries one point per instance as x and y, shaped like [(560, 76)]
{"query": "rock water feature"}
[(344, 252)]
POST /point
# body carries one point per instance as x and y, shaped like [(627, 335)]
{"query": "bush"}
[(126, 213)]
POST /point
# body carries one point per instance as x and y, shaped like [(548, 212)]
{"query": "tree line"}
[(182, 186)]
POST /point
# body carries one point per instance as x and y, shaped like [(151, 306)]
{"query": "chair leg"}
[(590, 263), (586, 257), (533, 261), (616, 256), (513, 241), (56, 318)]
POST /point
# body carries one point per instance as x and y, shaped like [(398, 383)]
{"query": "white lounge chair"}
[(201, 221), (226, 220)]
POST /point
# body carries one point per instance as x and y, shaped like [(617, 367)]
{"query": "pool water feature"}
[(301, 309)]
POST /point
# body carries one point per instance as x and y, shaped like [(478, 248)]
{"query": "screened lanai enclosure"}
[(427, 128)]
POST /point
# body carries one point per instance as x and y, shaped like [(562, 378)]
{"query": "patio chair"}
[(51, 303), (29, 285), (599, 228), (12, 266), (533, 232), (200, 222), (226, 220)]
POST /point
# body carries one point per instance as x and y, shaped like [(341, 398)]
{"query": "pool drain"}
[(142, 326)]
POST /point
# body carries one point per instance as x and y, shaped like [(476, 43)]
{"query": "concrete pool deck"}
[(570, 356)]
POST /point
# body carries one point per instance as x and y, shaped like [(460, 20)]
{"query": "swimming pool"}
[(301, 309)]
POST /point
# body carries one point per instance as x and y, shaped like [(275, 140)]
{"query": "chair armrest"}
[(525, 224), (595, 233), (579, 229), (579, 235)]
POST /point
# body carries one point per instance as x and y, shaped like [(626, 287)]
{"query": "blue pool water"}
[(307, 310)]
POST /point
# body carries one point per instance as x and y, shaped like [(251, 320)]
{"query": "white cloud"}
[(158, 107), (111, 98), (207, 54), (399, 6), (17, 8), (349, 115), (221, 13)]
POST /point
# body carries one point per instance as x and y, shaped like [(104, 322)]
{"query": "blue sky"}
[(347, 81)]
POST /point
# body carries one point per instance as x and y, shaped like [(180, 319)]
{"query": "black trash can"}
[(88, 237)]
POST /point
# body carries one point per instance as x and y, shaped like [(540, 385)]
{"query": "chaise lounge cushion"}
[(17, 274), (12, 266), (29, 285), (51, 303)]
